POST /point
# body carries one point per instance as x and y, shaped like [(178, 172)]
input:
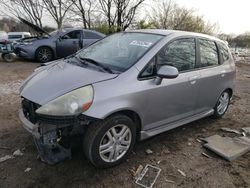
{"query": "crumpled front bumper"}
[(50, 153), (30, 127)]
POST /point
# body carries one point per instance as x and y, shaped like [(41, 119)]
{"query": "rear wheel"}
[(107, 143), (44, 54), (222, 104)]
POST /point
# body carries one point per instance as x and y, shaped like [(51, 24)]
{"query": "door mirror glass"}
[(166, 71)]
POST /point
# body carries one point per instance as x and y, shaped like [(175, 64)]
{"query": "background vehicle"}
[(3, 36), (15, 36), (58, 44), (159, 80)]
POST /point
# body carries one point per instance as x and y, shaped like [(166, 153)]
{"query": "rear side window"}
[(208, 53), (180, 54), (224, 52), (91, 35)]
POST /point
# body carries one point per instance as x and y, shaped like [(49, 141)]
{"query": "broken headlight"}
[(72, 103)]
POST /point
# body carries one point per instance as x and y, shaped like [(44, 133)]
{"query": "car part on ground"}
[(227, 147), (129, 86)]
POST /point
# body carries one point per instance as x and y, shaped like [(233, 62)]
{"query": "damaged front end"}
[(52, 134)]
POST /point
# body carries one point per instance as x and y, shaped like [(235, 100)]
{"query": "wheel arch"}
[(230, 91), (134, 116)]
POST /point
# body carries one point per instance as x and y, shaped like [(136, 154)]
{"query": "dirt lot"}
[(173, 150)]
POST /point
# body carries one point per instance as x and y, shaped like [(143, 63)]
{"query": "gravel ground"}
[(174, 150)]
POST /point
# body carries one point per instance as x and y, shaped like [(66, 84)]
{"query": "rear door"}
[(212, 75), (69, 43)]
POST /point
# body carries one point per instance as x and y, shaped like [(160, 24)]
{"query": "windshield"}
[(120, 51)]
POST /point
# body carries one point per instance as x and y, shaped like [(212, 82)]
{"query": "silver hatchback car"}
[(126, 87)]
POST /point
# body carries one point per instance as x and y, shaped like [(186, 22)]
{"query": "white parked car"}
[(3, 36), (14, 36)]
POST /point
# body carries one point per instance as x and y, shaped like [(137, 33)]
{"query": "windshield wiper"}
[(89, 60)]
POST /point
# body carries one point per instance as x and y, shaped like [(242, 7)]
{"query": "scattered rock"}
[(169, 181), (149, 151), (18, 153), (206, 155), (246, 130), (189, 144), (138, 171), (231, 130), (5, 158), (182, 173), (27, 169), (198, 140)]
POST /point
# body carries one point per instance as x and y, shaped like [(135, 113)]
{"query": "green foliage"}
[(144, 25), (106, 29)]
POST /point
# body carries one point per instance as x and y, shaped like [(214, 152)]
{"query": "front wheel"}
[(107, 143), (222, 104)]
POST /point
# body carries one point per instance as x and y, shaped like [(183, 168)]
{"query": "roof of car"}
[(68, 29), (174, 32)]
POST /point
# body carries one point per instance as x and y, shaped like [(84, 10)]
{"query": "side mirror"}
[(166, 71)]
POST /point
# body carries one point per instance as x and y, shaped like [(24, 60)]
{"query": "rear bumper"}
[(30, 127)]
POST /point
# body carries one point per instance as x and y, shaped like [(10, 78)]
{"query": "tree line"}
[(109, 16)]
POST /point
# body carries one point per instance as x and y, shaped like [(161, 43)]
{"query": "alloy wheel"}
[(115, 143), (223, 103)]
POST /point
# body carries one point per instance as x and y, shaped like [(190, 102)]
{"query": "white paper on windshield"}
[(141, 43)]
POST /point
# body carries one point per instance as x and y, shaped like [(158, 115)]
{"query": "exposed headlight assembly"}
[(72, 103)]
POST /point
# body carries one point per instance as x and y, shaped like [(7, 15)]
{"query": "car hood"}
[(34, 27), (51, 81)]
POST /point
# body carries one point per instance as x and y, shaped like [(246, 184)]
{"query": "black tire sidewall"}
[(94, 154)]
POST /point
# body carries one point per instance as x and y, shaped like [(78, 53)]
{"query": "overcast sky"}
[(232, 16)]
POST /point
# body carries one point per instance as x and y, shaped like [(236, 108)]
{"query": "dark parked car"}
[(58, 44)]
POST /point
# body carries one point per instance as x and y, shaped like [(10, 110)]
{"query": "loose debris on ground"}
[(148, 176), (227, 147)]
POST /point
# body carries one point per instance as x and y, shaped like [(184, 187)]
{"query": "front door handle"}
[(222, 73), (193, 79)]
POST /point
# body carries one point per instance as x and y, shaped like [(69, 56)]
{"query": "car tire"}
[(44, 54), (8, 57), (222, 104), (108, 142)]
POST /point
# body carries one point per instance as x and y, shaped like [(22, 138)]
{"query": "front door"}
[(69, 43), (174, 99)]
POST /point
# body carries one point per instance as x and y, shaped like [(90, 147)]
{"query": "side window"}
[(179, 53), (208, 53), (91, 35), (72, 35), (224, 52)]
